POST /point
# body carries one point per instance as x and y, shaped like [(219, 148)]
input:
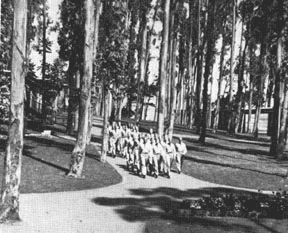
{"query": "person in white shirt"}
[(181, 151), (136, 153), (146, 151), (157, 150), (170, 155)]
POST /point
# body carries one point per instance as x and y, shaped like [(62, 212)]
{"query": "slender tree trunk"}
[(44, 97), (132, 51), (230, 121), (105, 136), (261, 87), (78, 154), (217, 109), (97, 7), (76, 105), (199, 70), (190, 64), (0, 20), (142, 59), (9, 207), (277, 145), (240, 96), (175, 43), (208, 65), (71, 103), (163, 68)]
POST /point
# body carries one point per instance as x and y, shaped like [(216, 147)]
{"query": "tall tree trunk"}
[(231, 125), (260, 91), (76, 105), (277, 145), (144, 54), (71, 104), (142, 59), (208, 65), (175, 43), (190, 64), (163, 68), (217, 109), (97, 7), (251, 91), (239, 99), (78, 154), (105, 136), (0, 20), (44, 96), (132, 51), (199, 70), (9, 207)]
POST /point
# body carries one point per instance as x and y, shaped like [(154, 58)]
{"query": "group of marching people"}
[(145, 153)]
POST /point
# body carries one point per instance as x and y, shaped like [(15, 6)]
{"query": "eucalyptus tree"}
[(71, 40), (210, 34), (278, 22), (9, 207), (163, 68), (231, 125), (78, 154), (224, 32)]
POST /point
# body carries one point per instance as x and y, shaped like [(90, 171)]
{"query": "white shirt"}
[(181, 148)]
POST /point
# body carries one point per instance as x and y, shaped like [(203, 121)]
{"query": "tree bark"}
[(199, 71), (44, 97), (239, 99), (276, 147), (175, 43), (231, 125), (208, 65), (132, 51), (217, 109), (190, 64), (9, 208), (78, 154), (105, 136), (261, 87), (163, 68), (97, 7)]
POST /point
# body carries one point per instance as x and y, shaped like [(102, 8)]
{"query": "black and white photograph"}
[(143, 116)]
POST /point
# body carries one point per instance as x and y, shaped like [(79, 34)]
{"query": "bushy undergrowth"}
[(235, 205)]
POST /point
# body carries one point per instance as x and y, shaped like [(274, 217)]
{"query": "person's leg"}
[(155, 165), (178, 162), (143, 165), (137, 160), (168, 165)]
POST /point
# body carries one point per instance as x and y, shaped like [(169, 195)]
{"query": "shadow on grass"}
[(146, 204), (248, 150), (50, 143)]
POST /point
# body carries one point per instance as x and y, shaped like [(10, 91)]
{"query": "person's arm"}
[(185, 149)]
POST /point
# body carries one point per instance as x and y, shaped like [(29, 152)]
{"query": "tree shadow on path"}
[(145, 205)]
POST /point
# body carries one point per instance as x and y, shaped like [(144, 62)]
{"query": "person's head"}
[(180, 140), (151, 131), (141, 140)]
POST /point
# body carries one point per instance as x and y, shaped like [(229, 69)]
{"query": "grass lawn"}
[(237, 161), (46, 162)]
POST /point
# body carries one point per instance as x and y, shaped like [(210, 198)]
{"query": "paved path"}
[(120, 208), (124, 207)]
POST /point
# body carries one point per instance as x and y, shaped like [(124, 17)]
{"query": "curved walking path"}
[(120, 208)]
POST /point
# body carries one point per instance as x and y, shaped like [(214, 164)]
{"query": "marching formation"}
[(145, 153)]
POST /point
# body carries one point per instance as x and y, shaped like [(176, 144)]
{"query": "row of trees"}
[(109, 43)]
